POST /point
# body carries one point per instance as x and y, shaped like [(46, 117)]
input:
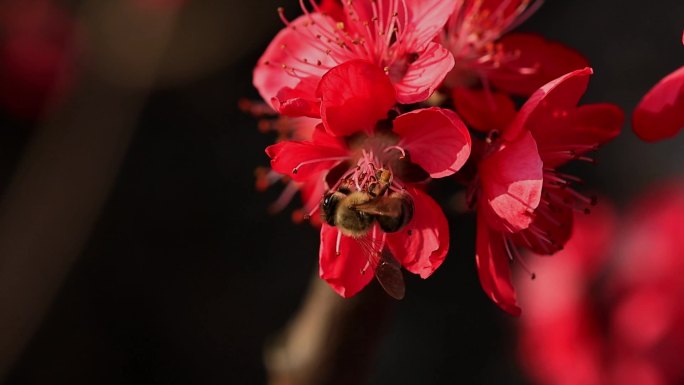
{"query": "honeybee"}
[(355, 212)]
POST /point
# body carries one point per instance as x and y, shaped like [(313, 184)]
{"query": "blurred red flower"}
[(37, 56), (608, 309)]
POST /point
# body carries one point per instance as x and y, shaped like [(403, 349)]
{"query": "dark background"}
[(185, 275)]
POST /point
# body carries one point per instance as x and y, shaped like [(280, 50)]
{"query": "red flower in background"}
[(364, 159), (37, 56), (646, 291), (522, 200), (477, 34), (660, 113), (608, 309), (396, 36)]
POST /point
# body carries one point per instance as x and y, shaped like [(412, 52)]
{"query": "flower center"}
[(373, 168)]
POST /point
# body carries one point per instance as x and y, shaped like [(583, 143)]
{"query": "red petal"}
[(286, 156), (660, 113), (354, 97), (426, 18), (312, 191), (492, 267), (321, 137), (300, 101), (503, 9), (559, 95), (423, 244), (343, 272), (424, 75), (536, 62), (578, 130), (511, 180), (482, 110), (332, 8), (435, 138), (288, 48)]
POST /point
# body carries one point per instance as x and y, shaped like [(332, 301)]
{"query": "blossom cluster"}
[(372, 99)]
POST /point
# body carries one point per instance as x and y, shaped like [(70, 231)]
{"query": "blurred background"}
[(135, 248)]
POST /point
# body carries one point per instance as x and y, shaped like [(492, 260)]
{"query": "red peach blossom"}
[(415, 145), (394, 35), (484, 52), (522, 200)]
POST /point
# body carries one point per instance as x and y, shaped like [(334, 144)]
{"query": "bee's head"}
[(329, 205)]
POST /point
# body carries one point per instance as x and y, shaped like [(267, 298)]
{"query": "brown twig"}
[(330, 340)]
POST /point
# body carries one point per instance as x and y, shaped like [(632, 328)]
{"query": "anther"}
[(403, 152)]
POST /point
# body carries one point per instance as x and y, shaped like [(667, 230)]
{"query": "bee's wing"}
[(388, 272), (381, 206)]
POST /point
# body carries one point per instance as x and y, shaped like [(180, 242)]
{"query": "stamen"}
[(390, 148), (586, 159), (514, 255), (365, 267), (542, 235), (256, 109), (284, 198), (543, 211), (334, 158), (526, 268), (281, 14), (524, 15), (562, 175), (311, 212), (589, 200), (337, 243), (265, 177)]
